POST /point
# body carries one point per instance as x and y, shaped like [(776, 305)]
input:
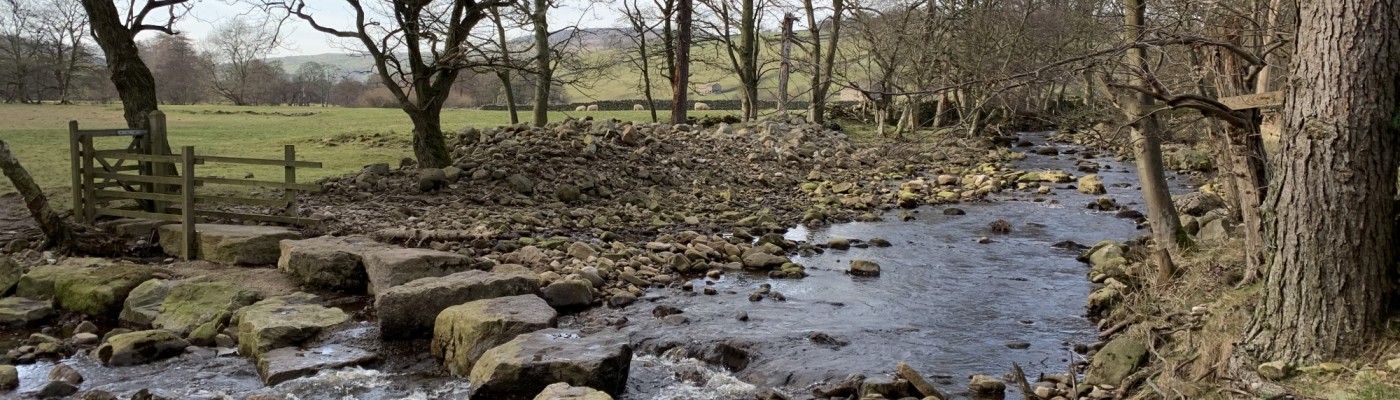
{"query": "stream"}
[(944, 303)]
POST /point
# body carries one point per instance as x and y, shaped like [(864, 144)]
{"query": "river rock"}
[(409, 310), (760, 260), (520, 184), (864, 268), (524, 366), (887, 387), (1118, 359), (562, 391), (142, 305), (461, 334), (287, 363), (282, 321), (65, 373), (20, 312), (56, 389), (1214, 233), (10, 271), (568, 293), (845, 388), (229, 244), (9, 377), (986, 385), (390, 267), (1091, 184), (330, 262), (567, 193), (141, 347), (581, 251), (1197, 203), (98, 292), (190, 304)]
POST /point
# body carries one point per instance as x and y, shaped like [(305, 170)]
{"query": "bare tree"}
[(822, 64), (680, 75), (235, 51), (418, 49), (56, 230), (640, 30), (65, 29), (183, 74), (741, 53), (544, 67)]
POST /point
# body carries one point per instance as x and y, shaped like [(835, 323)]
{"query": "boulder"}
[(562, 391), (390, 267), (9, 377), (1213, 233), (19, 311), (1118, 359), (98, 292), (864, 268), (142, 305), (520, 184), (1197, 203), (1091, 184), (329, 262), (408, 311), (568, 293), (761, 260), (38, 283), (581, 251), (986, 385), (461, 334), (190, 304), (567, 193), (430, 179), (282, 321), (287, 363), (141, 347), (524, 366), (229, 244), (9, 275)]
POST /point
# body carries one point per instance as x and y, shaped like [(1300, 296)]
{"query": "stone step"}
[(229, 244), (409, 310)]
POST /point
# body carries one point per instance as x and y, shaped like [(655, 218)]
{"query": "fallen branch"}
[(920, 383), (420, 235)]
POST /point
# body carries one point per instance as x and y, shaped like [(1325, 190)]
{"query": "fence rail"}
[(158, 193)]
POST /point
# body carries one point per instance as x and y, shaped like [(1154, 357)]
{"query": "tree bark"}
[(680, 77), (748, 59), (822, 67), (1146, 138), (545, 78), (56, 230), (429, 146), (1325, 295), (504, 73)]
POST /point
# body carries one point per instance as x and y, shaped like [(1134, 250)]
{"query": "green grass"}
[(38, 134)]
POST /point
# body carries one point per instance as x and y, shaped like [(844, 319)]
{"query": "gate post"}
[(77, 175), (157, 134), (187, 203)]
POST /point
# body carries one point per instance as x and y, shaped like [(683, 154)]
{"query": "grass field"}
[(341, 138)]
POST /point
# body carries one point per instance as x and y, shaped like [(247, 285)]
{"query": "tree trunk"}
[(680, 78), (748, 59), (510, 95), (56, 230), (429, 146), (1145, 131), (542, 61), (504, 73), (135, 85), (1325, 295)]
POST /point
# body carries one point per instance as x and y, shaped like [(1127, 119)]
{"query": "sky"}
[(300, 39)]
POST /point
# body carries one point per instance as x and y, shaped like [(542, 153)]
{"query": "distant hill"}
[(351, 65)]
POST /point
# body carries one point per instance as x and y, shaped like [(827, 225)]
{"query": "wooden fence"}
[(101, 176)]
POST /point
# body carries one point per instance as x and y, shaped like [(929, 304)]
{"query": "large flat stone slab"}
[(289, 363), (141, 347), (283, 321), (396, 266), (409, 310), (330, 262), (19, 311), (463, 333), (523, 367), (190, 304), (98, 292), (229, 244)]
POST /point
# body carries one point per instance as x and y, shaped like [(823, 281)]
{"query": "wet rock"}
[(675, 320), (1091, 184), (825, 340), (838, 244), (86, 339), (409, 310), (1054, 176), (621, 300), (770, 394), (65, 373), (287, 363), (140, 347), (330, 262), (954, 211), (98, 292), (663, 311), (390, 267), (431, 179), (879, 242), (845, 388), (142, 304), (1069, 245), (886, 387), (522, 367), (9, 377), (19, 311), (1129, 214), (759, 260), (282, 321), (568, 293), (1047, 151), (864, 268), (461, 334), (562, 391), (986, 385), (190, 304), (99, 395), (1018, 345), (1118, 359), (230, 244), (9, 274), (56, 389)]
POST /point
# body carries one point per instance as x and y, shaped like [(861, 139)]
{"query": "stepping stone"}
[(289, 363), (19, 311), (229, 244), (396, 266), (141, 347), (524, 366), (409, 310), (462, 333), (282, 321), (330, 262)]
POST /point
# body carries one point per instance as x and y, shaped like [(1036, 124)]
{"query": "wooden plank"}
[(74, 156), (121, 154), (255, 217), (112, 132), (187, 211), (89, 207), (138, 178), (114, 194), (246, 201), (125, 168), (138, 214), (290, 174), (1266, 99), (266, 184), (259, 161), (198, 198)]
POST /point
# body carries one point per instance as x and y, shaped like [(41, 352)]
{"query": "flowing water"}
[(944, 303)]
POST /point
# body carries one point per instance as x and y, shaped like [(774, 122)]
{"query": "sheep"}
[(701, 106), (592, 107), (638, 107), (581, 108)]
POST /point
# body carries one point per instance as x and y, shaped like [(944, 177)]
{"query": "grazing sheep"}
[(581, 108), (592, 107), (638, 107), (701, 106)]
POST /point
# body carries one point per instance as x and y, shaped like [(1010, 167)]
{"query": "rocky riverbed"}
[(716, 260)]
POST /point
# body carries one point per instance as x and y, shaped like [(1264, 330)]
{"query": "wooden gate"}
[(102, 176)]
